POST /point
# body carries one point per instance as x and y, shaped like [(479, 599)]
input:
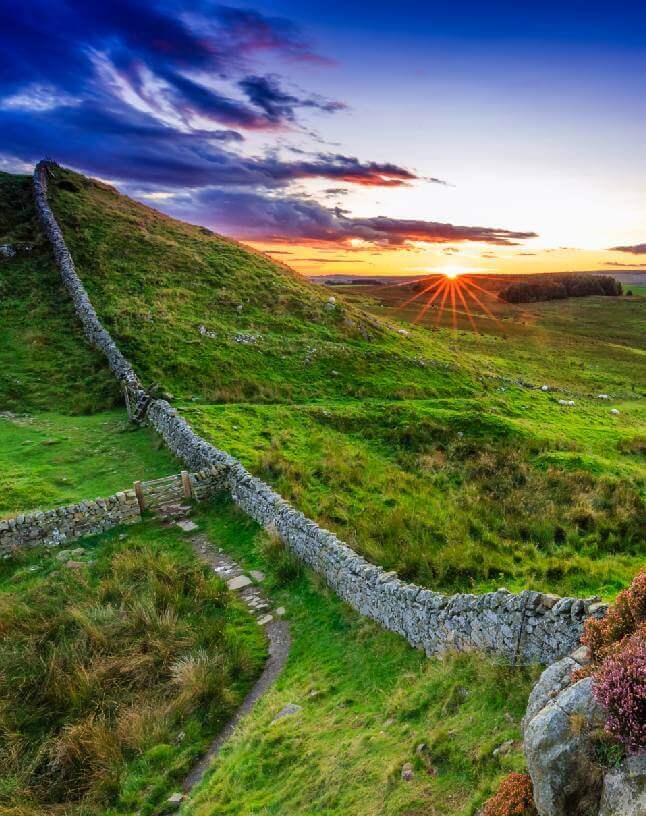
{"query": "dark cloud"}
[(157, 94), (635, 249), (626, 265), (178, 51), (292, 219), (278, 105)]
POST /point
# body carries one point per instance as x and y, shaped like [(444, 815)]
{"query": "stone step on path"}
[(236, 579), (276, 628)]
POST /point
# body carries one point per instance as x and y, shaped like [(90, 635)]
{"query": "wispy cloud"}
[(291, 219), (634, 249)]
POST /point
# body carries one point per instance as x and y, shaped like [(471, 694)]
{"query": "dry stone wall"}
[(525, 627), (53, 527)]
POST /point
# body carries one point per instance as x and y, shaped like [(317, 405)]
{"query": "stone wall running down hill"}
[(526, 627)]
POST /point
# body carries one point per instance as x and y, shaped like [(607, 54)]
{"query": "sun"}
[(452, 272)]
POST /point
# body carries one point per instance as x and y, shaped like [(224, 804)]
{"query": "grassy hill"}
[(64, 435), (159, 284), (426, 450)]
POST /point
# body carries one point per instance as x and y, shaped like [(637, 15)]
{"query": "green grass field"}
[(52, 459)]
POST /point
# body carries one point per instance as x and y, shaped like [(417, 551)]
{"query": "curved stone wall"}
[(525, 627)]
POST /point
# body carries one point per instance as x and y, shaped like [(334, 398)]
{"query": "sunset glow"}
[(303, 133)]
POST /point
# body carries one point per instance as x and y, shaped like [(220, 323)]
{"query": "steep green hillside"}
[(426, 449), (62, 436), (271, 336), (45, 363)]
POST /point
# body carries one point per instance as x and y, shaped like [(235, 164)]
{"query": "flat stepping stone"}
[(257, 575), (280, 611), (187, 525), (238, 582), (288, 711), (265, 620)]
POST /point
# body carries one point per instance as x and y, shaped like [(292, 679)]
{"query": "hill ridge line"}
[(529, 626)]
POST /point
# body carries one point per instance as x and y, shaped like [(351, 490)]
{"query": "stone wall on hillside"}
[(525, 627), (53, 527), (94, 330)]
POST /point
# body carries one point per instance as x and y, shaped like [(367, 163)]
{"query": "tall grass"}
[(101, 668)]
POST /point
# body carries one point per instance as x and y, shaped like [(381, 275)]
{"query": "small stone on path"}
[(74, 564), (265, 620), (280, 611), (257, 575), (175, 798), (187, 525), (238, 582)]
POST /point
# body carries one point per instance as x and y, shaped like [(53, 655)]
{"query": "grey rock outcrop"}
[(624, 789), (559, 752)]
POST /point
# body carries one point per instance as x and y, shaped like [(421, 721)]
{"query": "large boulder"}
[(553, 680), (624, 789), (559, 751)]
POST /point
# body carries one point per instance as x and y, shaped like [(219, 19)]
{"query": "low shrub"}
[(103, 665), (623, 619), (514, 797), (620, 686)]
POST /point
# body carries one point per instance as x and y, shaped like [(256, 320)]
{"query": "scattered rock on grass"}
[(288, 711), (407, 772)]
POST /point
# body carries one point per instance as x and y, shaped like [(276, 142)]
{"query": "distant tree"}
[(557, 287)]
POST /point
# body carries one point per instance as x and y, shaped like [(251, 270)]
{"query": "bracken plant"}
[(514, 797)]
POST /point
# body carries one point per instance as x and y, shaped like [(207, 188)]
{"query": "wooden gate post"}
[(139, 493), (186, 484)]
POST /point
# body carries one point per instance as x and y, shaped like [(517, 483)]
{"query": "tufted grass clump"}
[(114, 675)]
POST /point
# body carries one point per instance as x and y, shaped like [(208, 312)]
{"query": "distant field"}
[(592, 343)]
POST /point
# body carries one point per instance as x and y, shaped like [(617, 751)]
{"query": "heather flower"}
[(622, 619), (620, 687)]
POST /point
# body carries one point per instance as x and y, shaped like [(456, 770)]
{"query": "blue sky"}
[(404, 136)]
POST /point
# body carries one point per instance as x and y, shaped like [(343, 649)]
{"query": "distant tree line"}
[(356, 282), (557, 287)]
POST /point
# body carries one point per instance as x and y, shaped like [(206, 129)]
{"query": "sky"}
[(389, 138)]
